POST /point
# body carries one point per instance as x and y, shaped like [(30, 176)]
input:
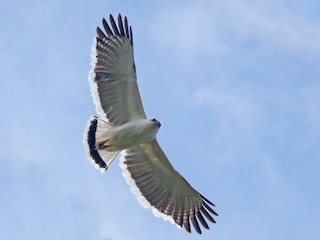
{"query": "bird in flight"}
[(124, 128)]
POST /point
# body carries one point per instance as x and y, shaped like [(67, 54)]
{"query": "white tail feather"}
[(97, 131)]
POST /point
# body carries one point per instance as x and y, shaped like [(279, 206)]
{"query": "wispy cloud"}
[(221, 27), (310, 105)]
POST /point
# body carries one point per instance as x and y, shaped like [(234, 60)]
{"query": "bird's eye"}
[(153, 120)]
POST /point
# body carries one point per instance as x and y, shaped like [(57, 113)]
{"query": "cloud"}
[(187, 30), (236, 114), (310, 105), (222, 27), (231, 105)]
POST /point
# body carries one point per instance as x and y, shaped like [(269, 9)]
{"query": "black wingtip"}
[(205, 199), (126, 25), (120, 23), (186, 224), (195, 224), (107, 28), (207, 215), (113, 29), (209, 208), (114, 26), (131, 36), (201, 219), (100, 33)]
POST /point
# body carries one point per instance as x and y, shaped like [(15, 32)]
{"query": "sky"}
[(235, 85)]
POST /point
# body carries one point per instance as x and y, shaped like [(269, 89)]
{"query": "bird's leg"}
[(102, 145)]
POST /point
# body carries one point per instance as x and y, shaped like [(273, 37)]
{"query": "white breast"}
[(132, 133)]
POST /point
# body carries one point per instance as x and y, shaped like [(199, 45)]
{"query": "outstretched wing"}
[(159, 186), (113, 76)]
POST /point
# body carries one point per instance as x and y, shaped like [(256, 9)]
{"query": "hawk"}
[(124, 128)]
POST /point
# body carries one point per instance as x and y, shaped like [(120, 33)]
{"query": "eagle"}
[(123, 128)]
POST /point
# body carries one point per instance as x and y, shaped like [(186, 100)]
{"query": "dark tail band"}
[(91, 136)]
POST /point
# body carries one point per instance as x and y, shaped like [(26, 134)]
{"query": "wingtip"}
[(195, 224), (209, 208), (112, 29), (207, 200)]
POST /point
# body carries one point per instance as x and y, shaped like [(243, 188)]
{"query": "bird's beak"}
[(158, 124)]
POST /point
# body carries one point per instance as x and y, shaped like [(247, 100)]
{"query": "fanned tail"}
[(95, 132)]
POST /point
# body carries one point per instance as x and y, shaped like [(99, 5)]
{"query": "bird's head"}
[(155, 121)]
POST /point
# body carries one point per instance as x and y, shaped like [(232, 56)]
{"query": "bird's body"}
[(123, 127), (127, 135)]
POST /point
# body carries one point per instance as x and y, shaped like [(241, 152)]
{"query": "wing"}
[(159, 186), (113, 76)]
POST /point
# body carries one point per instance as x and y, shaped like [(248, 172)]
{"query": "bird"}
[(123, 128)]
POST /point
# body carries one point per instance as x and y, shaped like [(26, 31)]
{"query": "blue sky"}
[(235, 85)]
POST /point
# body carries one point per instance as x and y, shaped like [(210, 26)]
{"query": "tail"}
[(95, 130)]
